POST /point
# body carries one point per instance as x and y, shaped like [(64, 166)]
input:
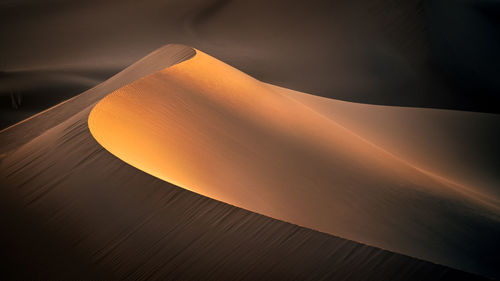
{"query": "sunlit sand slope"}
[(70, 210), (210, 128)]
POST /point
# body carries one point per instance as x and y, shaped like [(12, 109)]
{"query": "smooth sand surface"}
[(207, 127), (460, 146), (72, 210)]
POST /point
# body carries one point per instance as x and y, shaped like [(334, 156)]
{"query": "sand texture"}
[(72, 209), (207, 127)]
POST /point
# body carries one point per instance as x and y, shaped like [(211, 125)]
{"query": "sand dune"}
[(71, 209), (209, 128)]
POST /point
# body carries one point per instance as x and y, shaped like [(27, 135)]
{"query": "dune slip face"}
[(214, 130)]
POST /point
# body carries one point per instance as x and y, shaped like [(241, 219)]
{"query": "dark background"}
[(439, 54)]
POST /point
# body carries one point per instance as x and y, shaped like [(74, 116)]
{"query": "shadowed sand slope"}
[(462, 146), (157, 60), (210, 128), (71, 210)]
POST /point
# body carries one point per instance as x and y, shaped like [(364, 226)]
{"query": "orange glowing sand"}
[(205, 126)]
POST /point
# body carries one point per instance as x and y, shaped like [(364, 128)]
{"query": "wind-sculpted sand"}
[(214, 130), (72, 210)]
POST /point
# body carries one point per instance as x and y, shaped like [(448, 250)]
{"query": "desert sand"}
[(71, 208), (207, 127)]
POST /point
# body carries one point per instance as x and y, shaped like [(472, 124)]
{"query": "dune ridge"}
[(207, 127), (73, 210)]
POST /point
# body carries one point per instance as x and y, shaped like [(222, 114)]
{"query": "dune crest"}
[(205, 126)]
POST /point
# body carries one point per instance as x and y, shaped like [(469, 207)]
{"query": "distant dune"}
[(212, 129), (71, 209)]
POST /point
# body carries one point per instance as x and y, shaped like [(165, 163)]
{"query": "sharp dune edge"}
[(82, 212)]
